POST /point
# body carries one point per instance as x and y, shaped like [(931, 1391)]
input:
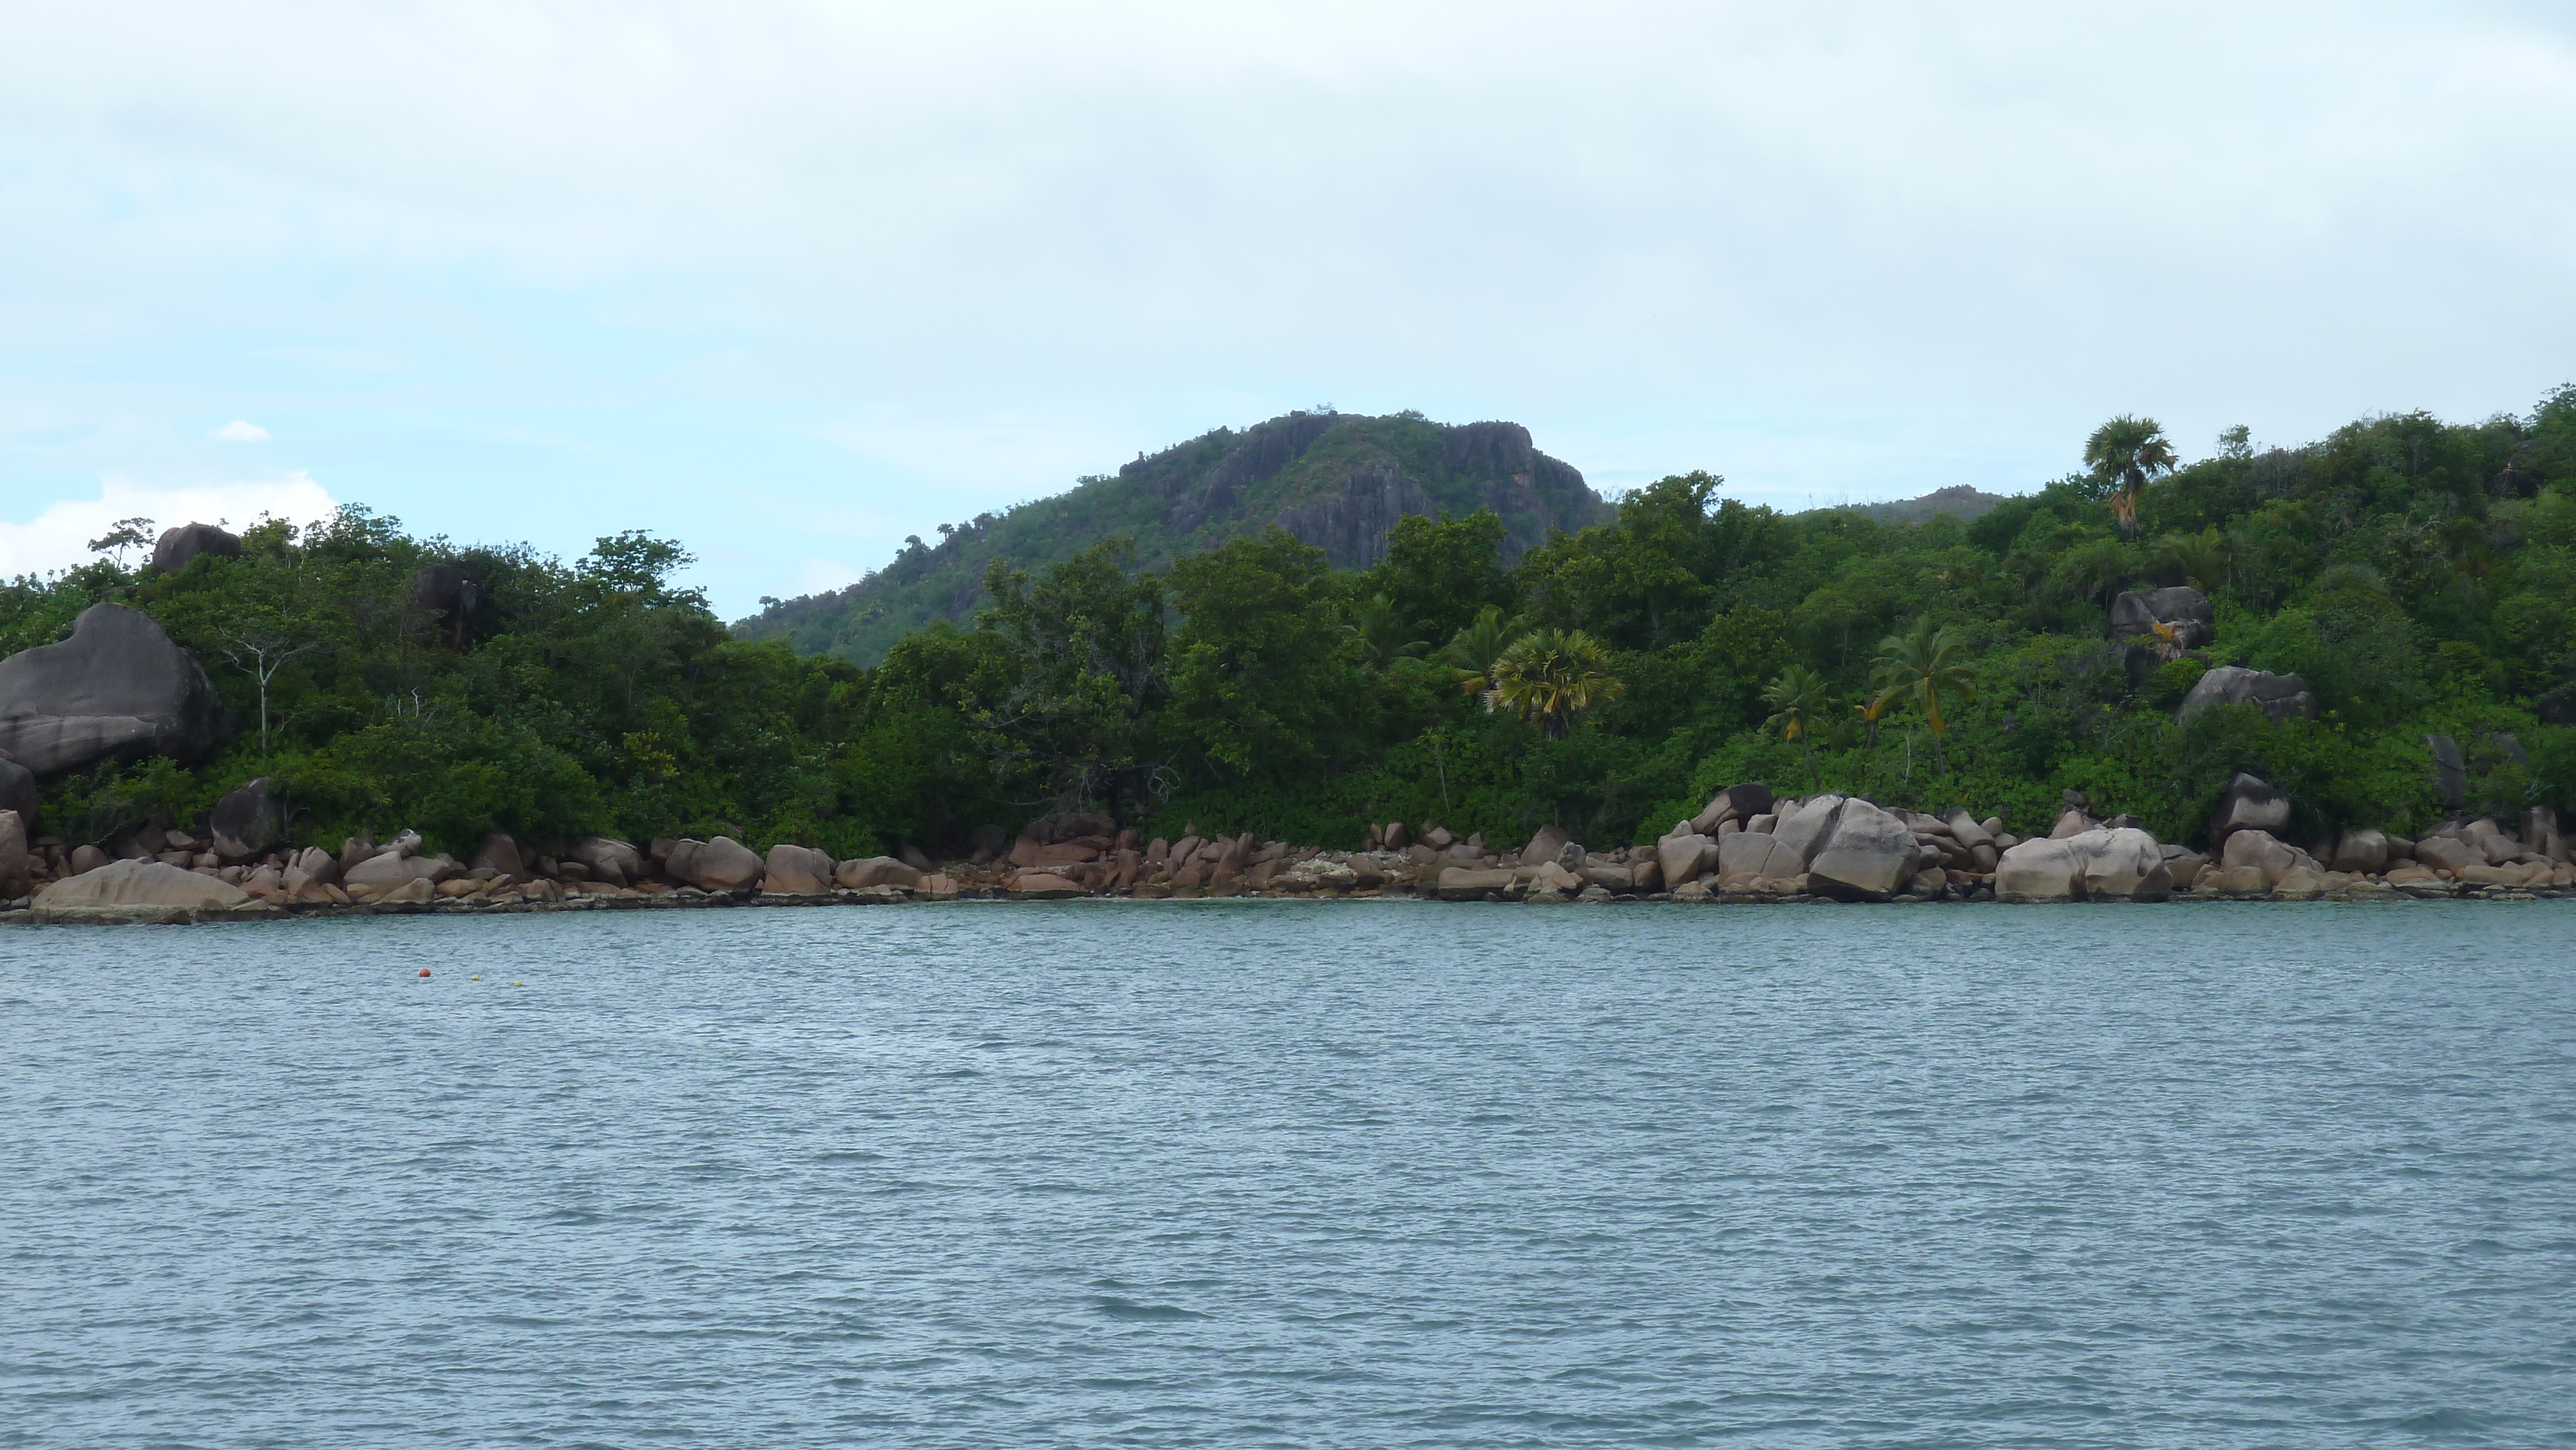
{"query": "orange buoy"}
[(424, 971)]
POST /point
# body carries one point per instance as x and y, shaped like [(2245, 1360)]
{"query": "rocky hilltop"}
[(1337, 481)]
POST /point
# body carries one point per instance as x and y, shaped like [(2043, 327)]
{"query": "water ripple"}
[(1295, 1174)]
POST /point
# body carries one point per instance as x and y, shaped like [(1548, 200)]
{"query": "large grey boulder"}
[(867, 871), (177, 546), (1546, 846), (2448, 853), (2361, 851), (1806, 829), (445, 600), (2450, 771), (387, 870), (1967, 830), (1869, 857), (796, 871), (1747, 854), (118, 688), (1458, 883), (2277, 696), (308, 871), (2250, 804), (2071, 823), (614, 861), (723, 864), (2482, 836), (248, 820), (2185, 611), (18, 789), (2097, 865), (137, 891), (2124, 865), (1736, 802), (2267, 853), (2048, 869), (499, 851), (1681, 858), (17, 866)]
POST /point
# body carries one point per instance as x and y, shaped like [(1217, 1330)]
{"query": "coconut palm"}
[(1798, 697), (1549, 676), (1380, 628), (2126, 454), (1928, 668), (1471, 652)]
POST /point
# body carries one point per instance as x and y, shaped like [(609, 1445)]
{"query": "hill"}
[(1964, 502), (1336, 481)]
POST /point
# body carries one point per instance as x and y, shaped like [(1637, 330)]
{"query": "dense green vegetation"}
[(1220, 486), (2420, 575)]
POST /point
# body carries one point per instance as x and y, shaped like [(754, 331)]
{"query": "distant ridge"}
[(1960, 501), (1337, 481)]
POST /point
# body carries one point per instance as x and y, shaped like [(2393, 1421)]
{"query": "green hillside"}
[(1964, 502), (1335, 481)]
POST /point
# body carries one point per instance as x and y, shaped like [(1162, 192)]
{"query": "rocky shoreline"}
[(1746, 846)]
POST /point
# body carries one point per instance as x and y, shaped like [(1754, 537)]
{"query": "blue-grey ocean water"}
[(1291, 1173)]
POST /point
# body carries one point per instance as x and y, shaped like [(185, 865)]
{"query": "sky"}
[(788, 282)]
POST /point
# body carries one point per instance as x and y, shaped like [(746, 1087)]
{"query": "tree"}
[(1438, 573), (1548, 676), (1085, 662), (1926, 667), (1262, 676), (1797, 696), (124, 534), (1470, 654), (2124, 455), (1381, 630), (260, 650)]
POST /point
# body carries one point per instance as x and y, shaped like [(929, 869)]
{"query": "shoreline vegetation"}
[(2346, 670)]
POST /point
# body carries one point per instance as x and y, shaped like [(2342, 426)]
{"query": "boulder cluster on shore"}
[(1745, 846)]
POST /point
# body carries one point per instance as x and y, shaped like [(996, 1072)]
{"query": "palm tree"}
[(1470, 654), (1381, 630), (1796, 698), (2126, 454), (1927, 667), (2201, 560), (1548, 676)]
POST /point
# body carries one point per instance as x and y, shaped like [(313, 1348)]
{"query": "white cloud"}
[(242, 431), (1859, 250), (59, 537)]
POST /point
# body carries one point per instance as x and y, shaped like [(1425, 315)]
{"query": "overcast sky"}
[(789, 282)]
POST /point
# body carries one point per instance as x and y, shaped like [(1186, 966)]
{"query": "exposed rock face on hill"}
[(1336, 481), (117, 688)]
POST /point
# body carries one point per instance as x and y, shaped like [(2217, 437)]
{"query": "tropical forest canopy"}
[(2420, 575)]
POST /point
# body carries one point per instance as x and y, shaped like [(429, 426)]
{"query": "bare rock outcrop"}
[(2250, 804), (141, 890), (18, 789), (248, 820), (17, 863), (118, 688), (2281, 697), (179, 545)]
